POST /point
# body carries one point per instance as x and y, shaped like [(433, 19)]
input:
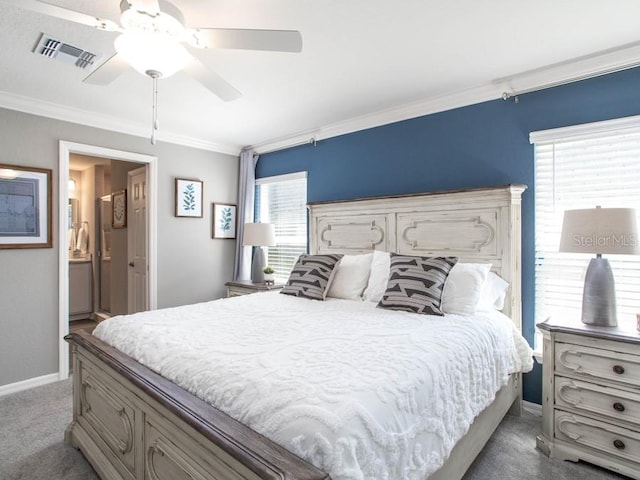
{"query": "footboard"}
[(131, 423)]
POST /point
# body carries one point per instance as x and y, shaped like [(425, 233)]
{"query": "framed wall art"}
[(188, 198), (119, 209), (224, 220), (25, 207)]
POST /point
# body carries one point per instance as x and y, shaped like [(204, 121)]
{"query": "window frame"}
[(280, 275), (564, 135)]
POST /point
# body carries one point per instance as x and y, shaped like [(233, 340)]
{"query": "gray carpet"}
[(32, 425)]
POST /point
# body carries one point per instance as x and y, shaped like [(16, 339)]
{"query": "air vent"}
[(63, 52)]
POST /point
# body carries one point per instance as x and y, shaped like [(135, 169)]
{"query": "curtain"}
[(246, 192)]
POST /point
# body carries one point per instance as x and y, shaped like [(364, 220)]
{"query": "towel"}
[(72, 239), (83, 239)]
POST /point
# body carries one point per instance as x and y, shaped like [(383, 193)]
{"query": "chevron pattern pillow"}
[(311, 276), (416, 283)]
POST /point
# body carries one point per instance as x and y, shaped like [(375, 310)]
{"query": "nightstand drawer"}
[(238, 288), (238, 291), (612, 403), (600, 436), (595, 363)]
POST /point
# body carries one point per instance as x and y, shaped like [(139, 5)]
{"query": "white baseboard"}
[(532, 408), (28, 383)]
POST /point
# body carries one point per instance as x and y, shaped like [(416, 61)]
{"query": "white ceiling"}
[(364, 62)]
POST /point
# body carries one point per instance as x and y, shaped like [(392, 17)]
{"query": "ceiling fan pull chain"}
[(154, 117)]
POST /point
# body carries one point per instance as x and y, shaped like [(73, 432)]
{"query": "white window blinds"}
[(282, 201), (582, 171)]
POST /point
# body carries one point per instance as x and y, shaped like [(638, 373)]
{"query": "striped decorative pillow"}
[(311, 276), (416, 283)]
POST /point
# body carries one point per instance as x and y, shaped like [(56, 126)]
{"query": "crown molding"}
[(600, 63), (581, 68), (56, 111), (383, 117)]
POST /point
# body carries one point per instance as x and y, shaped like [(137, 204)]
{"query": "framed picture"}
[(25, 207), (188, 198), (224, 220), (119, 209)]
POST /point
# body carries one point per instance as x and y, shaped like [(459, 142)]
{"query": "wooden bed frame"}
[(131, 423)]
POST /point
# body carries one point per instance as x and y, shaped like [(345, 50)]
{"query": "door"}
[(137, 241)]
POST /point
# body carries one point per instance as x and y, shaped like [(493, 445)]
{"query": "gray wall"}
[(192, 267)]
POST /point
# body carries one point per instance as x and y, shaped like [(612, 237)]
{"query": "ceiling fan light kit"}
[(146, 51), (151, 41)]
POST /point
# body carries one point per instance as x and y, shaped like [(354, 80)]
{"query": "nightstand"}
[(245, 287), (591, 395)]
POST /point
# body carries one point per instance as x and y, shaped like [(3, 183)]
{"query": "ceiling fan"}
[(151, 39)]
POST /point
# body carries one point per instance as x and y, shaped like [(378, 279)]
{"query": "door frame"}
[(66, 148)]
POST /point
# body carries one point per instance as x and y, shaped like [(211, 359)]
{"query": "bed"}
[(132, 423)]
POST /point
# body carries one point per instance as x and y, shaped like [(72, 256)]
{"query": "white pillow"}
[(351, 277), (379, 277), (493, 293), (463, 287)]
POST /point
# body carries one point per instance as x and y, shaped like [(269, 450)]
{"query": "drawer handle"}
[(619, 369), (618, 407), (619, 444)]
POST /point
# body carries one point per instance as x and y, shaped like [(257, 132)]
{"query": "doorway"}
[(149, 164)]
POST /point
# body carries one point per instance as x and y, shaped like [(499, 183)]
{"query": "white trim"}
[(575, 132), (281, 178), (65, 149), (588, 66), (306, 138), (581, 68), (601, 63), (28, 383), (43, 108), (384, 117), (537, 354)]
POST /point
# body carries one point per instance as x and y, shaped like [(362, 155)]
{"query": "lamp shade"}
[(600, 230), (259, 234)]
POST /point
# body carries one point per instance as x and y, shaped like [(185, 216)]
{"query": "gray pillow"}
[(416, 283), (311, 276)]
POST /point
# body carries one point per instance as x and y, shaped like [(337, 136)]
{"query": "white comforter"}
[(360, 392)]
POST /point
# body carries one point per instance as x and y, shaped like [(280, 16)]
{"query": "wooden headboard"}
[(480, 225)]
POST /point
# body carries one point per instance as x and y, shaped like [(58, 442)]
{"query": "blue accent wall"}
[(479, 145)]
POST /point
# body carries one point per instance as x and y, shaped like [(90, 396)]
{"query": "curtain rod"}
[(309, 141), (515, 94)]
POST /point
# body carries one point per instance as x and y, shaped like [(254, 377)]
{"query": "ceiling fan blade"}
[(108, 71), (64, 13), (214, 82), (244, 39)]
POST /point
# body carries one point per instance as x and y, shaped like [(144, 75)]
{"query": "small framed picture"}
[(188, 198), (119, 209), (224, 220), (25, 207)]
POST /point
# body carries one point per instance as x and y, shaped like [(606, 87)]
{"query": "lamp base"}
[(257, 264), (599, 295)]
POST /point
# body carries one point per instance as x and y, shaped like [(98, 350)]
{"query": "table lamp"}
[(600, 231), (258, 235)]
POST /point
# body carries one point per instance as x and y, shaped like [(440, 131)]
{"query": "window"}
[(582, 167), (282, 201)]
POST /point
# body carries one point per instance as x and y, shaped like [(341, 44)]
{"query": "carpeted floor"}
[(32, 425)]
